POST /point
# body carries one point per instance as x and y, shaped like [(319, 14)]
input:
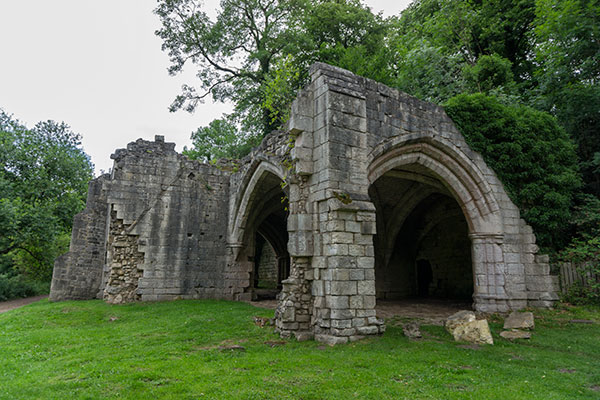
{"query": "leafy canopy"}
[(233, 53), (220, 139), (252, 43)]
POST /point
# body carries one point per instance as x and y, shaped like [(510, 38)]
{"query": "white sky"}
[(98, 66)]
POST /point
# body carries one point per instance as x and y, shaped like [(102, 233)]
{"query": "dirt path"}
[(430, 311), (12, 304)]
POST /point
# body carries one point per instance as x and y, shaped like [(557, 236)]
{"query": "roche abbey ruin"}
[(367, 194)]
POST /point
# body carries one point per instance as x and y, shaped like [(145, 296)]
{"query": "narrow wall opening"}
[(266, 237), (271, 258), (422, 247)]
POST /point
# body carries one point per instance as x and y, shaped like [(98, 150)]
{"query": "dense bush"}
[(16, 286), (580, 295), (531, 154)]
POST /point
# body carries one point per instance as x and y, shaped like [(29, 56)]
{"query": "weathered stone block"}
[(339, 302), (519, 320), (366, 287), (367, 330), (331, 340), (343, 287)]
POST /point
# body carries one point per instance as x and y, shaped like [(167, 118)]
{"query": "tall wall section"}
[(167, 226), (78, 273)]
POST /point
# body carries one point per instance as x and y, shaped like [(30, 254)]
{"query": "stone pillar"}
[(295, 307), (489, 272), (237, 272), (294, 310), (344, 286), (344, 277)]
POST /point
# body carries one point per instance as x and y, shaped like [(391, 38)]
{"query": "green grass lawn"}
[(175, 350)]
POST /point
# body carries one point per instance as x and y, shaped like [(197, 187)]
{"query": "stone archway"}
[(426, 168), (259, 226), (197, 224)]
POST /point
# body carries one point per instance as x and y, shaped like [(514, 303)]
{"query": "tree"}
[(241, 52), (43, 184), (220, 139), (345, 33), (568, 53), (442, 48), (234, 53)]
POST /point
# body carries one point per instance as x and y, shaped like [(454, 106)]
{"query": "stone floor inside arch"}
[(367, 195)]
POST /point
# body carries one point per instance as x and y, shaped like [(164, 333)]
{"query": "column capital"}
[(487, 237)]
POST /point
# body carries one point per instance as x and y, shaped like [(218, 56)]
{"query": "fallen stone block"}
[(464, 327), (519, 320), (411, 330), (459, 318), (515, 334)]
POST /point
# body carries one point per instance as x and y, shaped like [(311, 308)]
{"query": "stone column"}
[(344, 286), (344, 277), (295, 300), (489, 272)]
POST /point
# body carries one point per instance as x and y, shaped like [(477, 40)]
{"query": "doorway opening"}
[(266, 237), (422, 247)]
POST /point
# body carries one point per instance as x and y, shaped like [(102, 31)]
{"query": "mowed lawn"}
[(214, 350)]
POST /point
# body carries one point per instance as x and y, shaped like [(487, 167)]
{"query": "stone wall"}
[(172, 208), (78, 273), (267, 267), (124, 263)]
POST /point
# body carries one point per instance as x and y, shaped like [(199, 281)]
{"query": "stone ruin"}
[(367, 194)]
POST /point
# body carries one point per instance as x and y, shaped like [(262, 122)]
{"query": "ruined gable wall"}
[(168, 225)]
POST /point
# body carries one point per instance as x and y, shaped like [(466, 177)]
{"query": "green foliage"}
[(254, 46), (581, 295), (345, 33), (233, 53), (472, 29), (426, 72), (584, 250), (280, 89), (568, 54), (220, 139), (532, 155), (43, 184), (16, 286), (489, 73)]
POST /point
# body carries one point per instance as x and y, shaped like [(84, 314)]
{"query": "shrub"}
[(580, 295), (584, 251), (532, 156), (12, 287)]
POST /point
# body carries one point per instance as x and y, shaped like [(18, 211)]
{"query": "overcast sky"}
[(98, 66)]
